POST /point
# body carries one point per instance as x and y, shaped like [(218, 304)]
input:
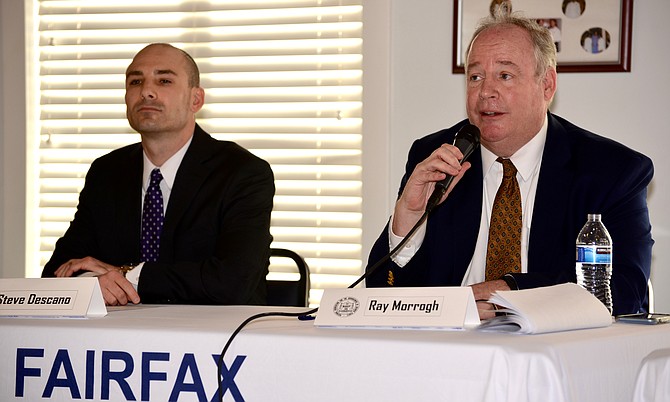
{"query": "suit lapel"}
[(127, 190), (551, 197), (192, 173), (467, 215), (458, 225)]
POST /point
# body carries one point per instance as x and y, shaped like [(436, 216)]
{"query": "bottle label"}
[(594, 254)]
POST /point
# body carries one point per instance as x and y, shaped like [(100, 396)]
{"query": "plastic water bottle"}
[(594, 260)]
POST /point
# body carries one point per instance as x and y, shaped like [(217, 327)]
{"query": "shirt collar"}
[(526, 159), (169, 168)]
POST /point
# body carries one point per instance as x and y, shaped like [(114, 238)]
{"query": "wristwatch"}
[(124, 269)]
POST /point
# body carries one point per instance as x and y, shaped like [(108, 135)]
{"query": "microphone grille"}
[(469, 132)]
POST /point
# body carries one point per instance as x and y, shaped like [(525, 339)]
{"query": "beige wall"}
[(12, 139)]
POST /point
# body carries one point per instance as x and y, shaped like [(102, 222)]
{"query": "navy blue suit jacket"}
[(215, 244), (581, 173)]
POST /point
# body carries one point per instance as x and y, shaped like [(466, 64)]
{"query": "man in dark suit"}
[(214, 245), (564, 173)]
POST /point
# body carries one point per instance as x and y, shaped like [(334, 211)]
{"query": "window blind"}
[(281, 77)]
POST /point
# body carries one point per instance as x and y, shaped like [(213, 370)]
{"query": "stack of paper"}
[(548, 309)]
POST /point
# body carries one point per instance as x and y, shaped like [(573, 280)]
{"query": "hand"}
[(83, 264), (116, 290), (486, 310), (482, 292), (421, 183)]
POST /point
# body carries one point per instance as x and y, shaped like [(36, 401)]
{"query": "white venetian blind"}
[(282, 78)]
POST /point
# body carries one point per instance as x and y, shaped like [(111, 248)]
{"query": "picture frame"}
[(593, 35)]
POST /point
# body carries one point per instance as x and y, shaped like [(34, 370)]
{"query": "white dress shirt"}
[(527, 161)]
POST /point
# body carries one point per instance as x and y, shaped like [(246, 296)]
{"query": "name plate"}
[(51, 297), (414, 308)]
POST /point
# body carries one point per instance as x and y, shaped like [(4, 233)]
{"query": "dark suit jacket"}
[(581, 173), (215, 244)]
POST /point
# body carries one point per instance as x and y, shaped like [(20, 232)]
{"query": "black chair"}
[(289, 293)]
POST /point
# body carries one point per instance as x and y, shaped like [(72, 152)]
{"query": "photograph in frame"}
[(590, 35)]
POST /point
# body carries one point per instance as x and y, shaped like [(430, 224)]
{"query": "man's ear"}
[(549, 83), (197, 99)]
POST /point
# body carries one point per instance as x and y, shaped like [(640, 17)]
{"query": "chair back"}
[(650, 296), (289, 293)]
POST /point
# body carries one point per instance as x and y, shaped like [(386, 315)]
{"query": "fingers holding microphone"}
[(442, 163), (466, 141), (433, 178)]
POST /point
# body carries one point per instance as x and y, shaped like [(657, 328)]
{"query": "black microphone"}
[(466, 140)]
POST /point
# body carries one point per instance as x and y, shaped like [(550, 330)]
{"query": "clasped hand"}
[(116, 290)]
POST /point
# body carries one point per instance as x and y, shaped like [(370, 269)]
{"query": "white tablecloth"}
[(653, 379), (169, 353)]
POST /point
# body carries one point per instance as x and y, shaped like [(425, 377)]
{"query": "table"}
[(161, 353), (653, 379)]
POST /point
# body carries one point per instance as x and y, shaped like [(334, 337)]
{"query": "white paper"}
[(562, 307)]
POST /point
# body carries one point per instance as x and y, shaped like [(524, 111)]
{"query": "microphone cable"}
[(467, 140), (307, 315)]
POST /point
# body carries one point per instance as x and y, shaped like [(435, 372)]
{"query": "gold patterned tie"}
[(504, 249)]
